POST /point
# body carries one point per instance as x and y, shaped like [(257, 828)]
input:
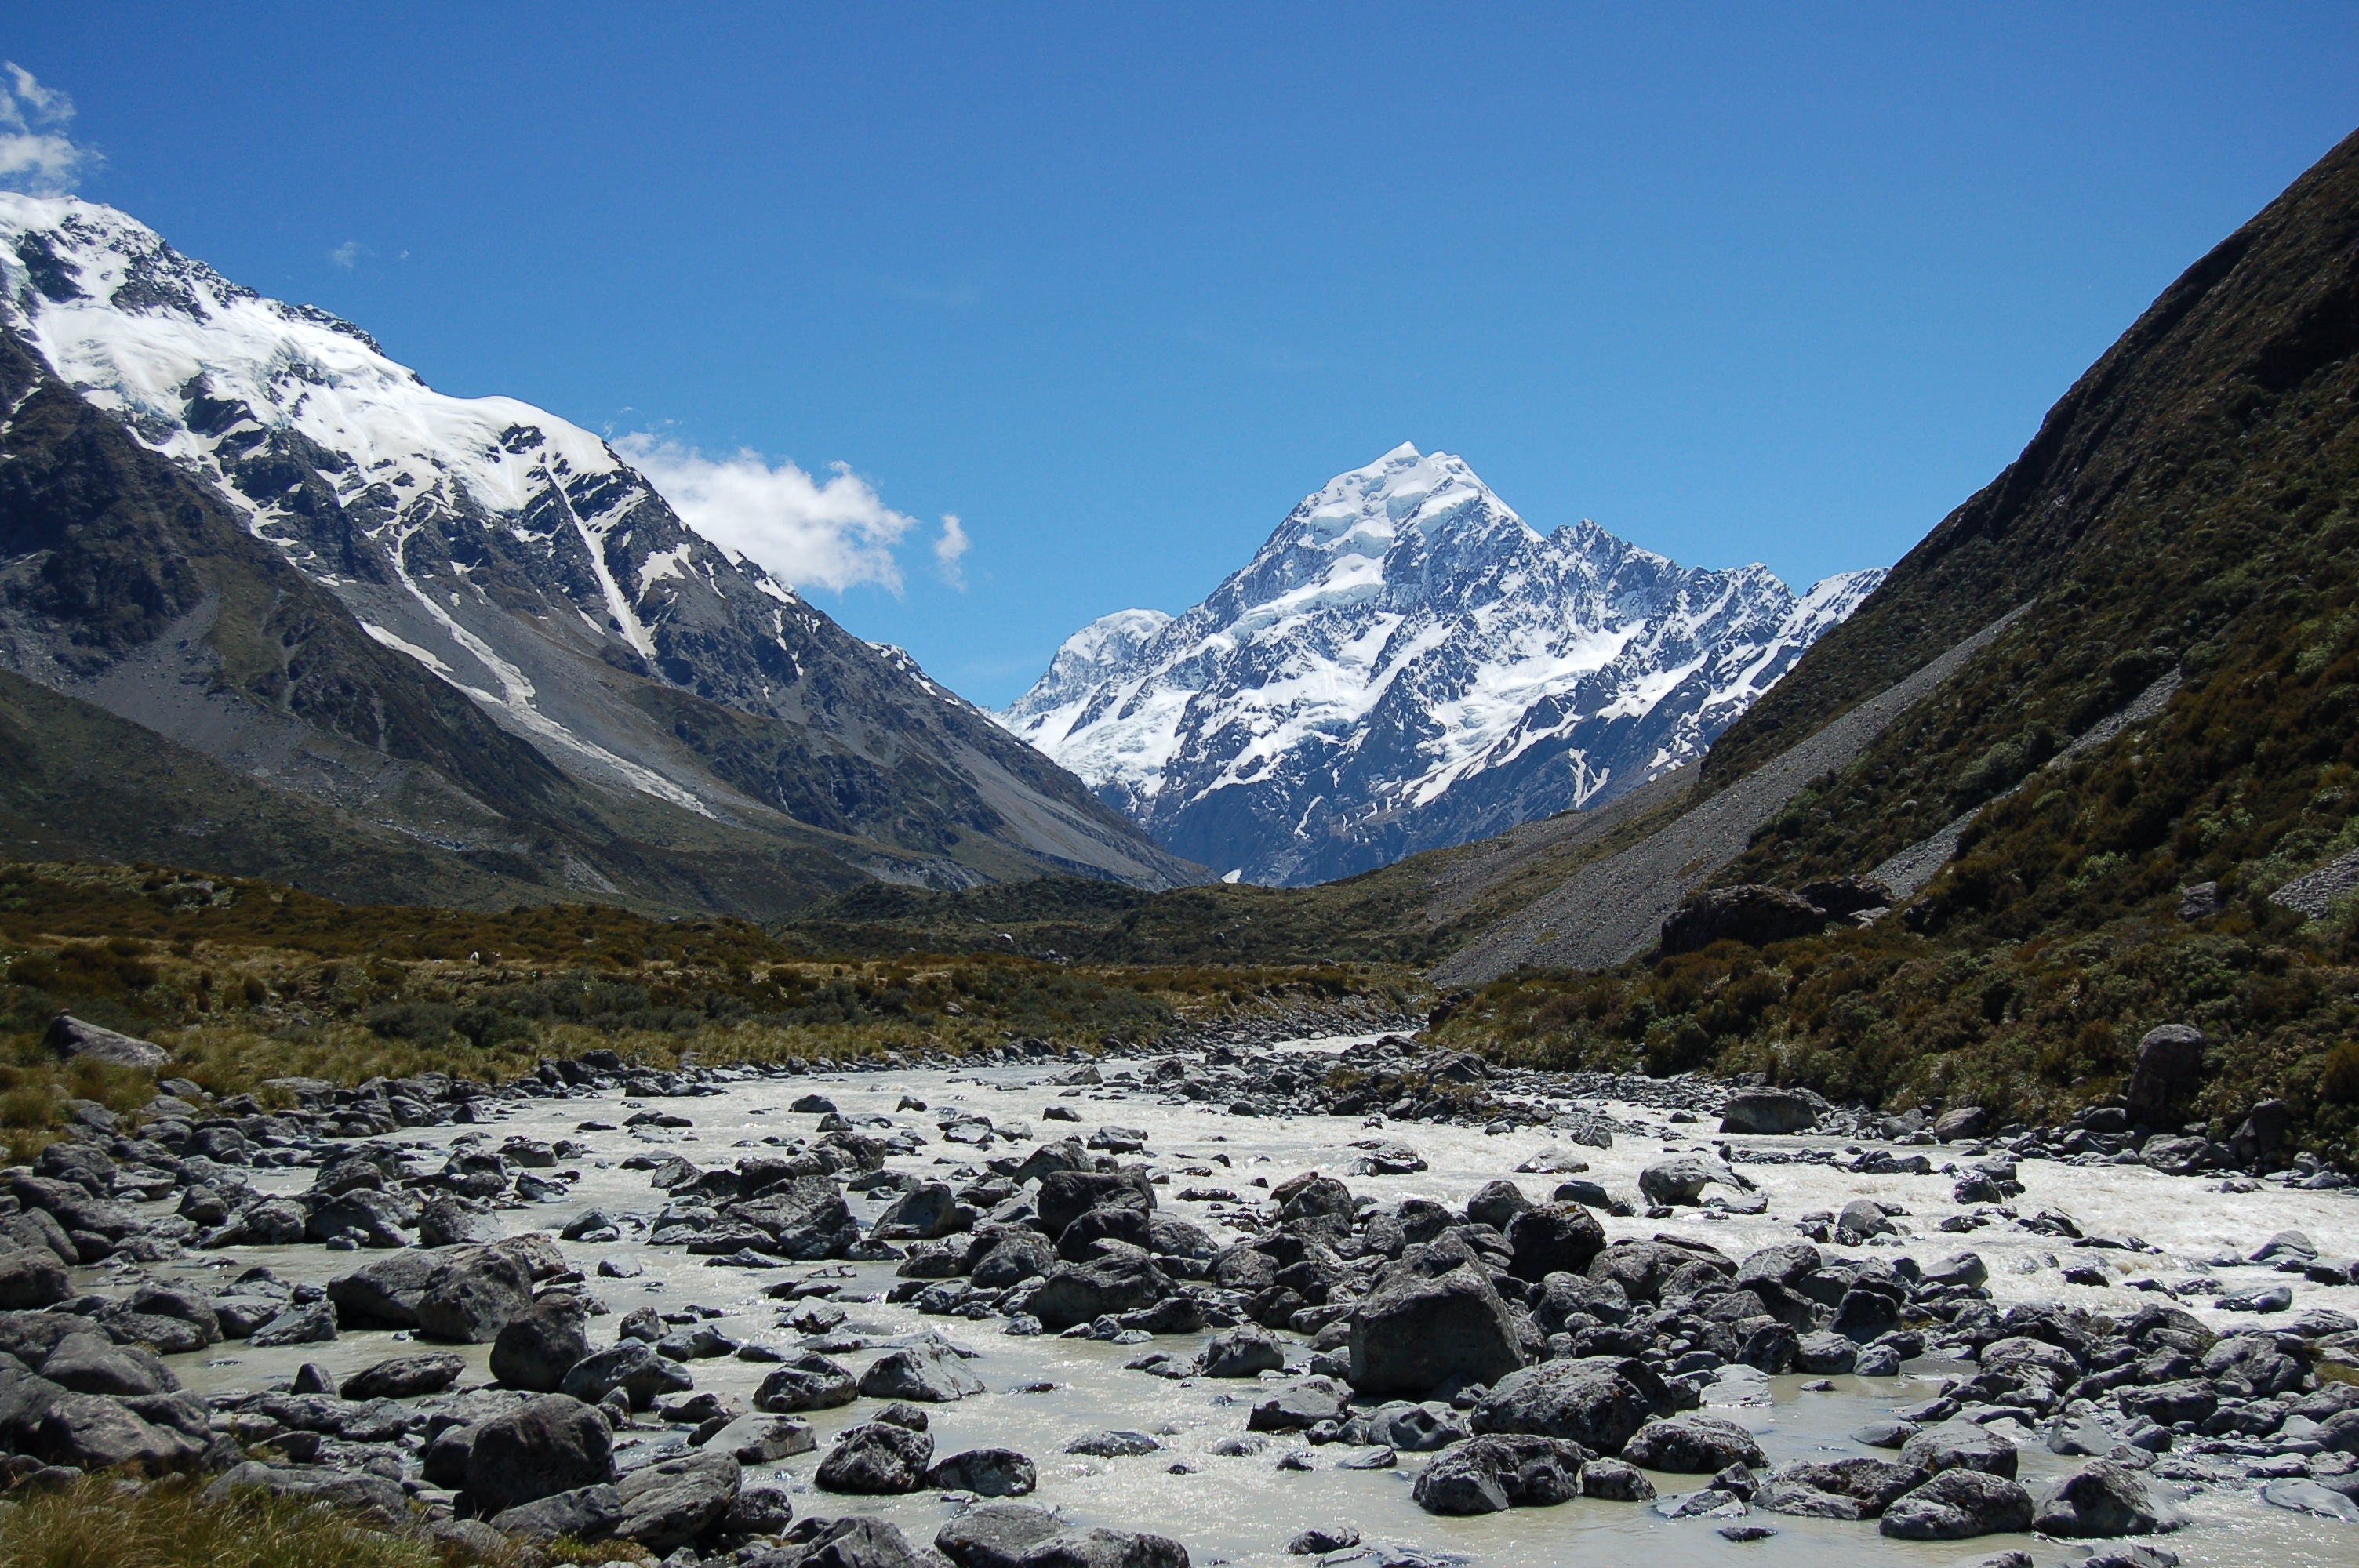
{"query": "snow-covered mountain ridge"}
[(1406, 664), (520, 558)]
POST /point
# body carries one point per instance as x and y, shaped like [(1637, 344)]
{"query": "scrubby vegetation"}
[(101, 1523), (2192, 503), (244, 982)]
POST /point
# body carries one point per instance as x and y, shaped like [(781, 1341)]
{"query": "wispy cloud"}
[(950, 549), (37, 156), (345, 254), (834, 532)]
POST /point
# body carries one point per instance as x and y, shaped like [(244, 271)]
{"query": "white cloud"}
[(835, 533), (949, 548), (345, 254), (36, 155)]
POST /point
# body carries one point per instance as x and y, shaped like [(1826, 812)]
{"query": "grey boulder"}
[(876, 1458), (985, 1472), (1958, 1505), (546, 1445)]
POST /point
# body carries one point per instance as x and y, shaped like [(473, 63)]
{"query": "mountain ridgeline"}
[(430, 648), (1406, 664), (2150, 774)]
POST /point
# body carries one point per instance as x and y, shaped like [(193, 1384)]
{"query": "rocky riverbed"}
[(1257, 1300)]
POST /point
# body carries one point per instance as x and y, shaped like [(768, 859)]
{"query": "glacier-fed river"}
[(1243, 1508)]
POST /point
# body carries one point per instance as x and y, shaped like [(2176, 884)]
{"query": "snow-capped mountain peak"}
[(1405, 664), (520, 558)]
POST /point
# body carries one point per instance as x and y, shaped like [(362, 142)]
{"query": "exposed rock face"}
[(1768, 1111), (2170, 1066), (1417, 667), (1750, 913), (617, 653), (69, 1037)]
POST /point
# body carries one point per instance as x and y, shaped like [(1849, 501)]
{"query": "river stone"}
[(1431, 1320), (71, 1037), (1496, 1204), (995, 1535), (1244, 1352), (2103, 1499), (1104, 1549), (85, 1363), (1769, 1111), (30, 1280), (1958, 1505), (1066, 1196), (472, 1297), (1014, 1257), (762, 1439), (1579, 1402), (545, 1445), (808, 1382), (876, 1458), (313, 1323), (1959, 1445), (985, 1472), (534, 1351), (583, 1514), (2170, 1065), (403, 1377), (1693, 1446), (384, 1291), (1084, 1292), (1078, 1242), (95, 1432), (1555, 1238), (929, 1372), (1487, 1474), (630, 1365), (1615, 1481), (1681, 1180), (671, 1503)]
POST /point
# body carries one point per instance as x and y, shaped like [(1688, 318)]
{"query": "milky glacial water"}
[(1243, 1510)]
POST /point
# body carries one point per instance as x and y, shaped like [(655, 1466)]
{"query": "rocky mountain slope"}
[(239, 524), (1406, 664), (2127, 809)]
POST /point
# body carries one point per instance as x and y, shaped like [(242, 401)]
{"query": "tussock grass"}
[(103, 1523)]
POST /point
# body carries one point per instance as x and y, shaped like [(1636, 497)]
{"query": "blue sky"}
[(1115, 286)]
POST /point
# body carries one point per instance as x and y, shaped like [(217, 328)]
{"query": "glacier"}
[(1407, 664)]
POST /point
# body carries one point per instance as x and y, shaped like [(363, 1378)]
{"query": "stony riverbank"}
[(1023, 1309)]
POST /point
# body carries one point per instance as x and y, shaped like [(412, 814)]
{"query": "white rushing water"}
[(1243, 1509)]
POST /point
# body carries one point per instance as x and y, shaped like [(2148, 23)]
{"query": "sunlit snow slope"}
[(521, 559), (1406, 664)]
